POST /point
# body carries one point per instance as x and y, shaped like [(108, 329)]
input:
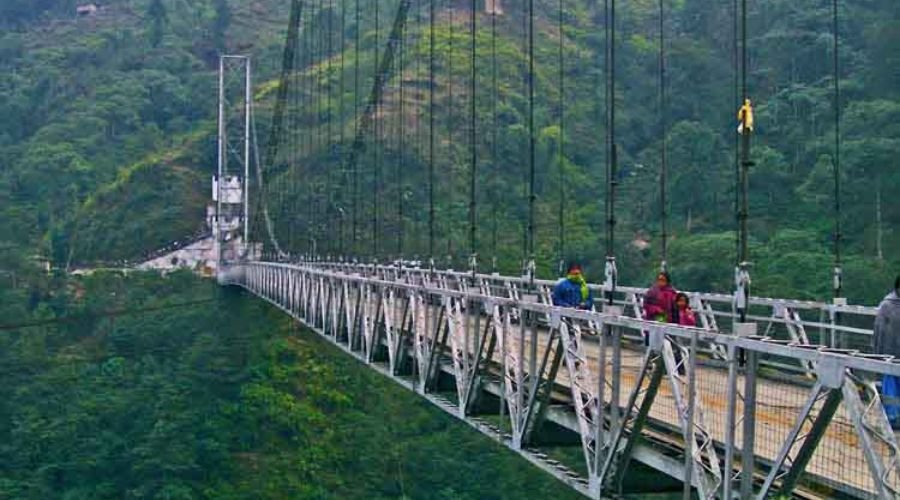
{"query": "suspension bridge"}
[(765, 397)]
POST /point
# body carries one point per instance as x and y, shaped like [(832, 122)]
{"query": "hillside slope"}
[(220, 399), (106, 144)]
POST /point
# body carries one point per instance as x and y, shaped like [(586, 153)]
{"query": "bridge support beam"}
[(875, 434), (829, 399), (484, 352), (422, 323), (627, 432), (586, 402)]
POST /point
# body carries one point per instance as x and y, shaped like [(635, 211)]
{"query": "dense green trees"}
[(106, 143), (99, 127), (792, 194), (156, 11), (219, 400), (106, 147)]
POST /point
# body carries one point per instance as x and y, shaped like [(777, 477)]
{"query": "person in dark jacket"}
[(573, 291), (659, 301), (887, 341)]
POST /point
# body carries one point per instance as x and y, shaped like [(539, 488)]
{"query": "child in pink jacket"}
[(684, 315)]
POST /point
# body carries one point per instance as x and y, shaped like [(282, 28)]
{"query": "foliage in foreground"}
[(221, 400)]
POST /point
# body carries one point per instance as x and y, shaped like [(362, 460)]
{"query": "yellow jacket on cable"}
[(745, 116)]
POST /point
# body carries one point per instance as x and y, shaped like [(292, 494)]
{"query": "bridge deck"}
[(838, 459), (850, 454), (838, 462)]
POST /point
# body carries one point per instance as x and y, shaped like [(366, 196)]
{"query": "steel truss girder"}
[(875, 433), (626, 433), (527, 394), (543, 385), (421, 338), (835, 385), (807, 432), (658, 361), (388, 306), (585, 400), (706, 471), (403, 332), (369, 321), (502, 287), (485, 345), (438, 343), (512, 348), (355, 307), (467, 365), (459, 356), (796, 331)]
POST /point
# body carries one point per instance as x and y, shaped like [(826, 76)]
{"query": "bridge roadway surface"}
[(837, 460), (837, 463)]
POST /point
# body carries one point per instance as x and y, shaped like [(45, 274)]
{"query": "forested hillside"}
[(111, 117), (107, 146), (192, 391), (106, 139), (790, 79)]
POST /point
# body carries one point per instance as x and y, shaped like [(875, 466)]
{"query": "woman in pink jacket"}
[(659, 301)]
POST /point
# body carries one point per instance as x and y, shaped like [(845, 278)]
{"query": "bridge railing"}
[(800, 321), (629, 389)]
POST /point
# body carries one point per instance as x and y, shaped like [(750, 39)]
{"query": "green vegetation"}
[(222, 400), (106, 150), (106, 135), (791, 81), (106, 140)]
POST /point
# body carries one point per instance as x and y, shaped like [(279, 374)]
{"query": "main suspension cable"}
[(838, 229), (376, 170), (742, 278), (494, 135), (332, 151), (736, 102), (611, 272), (560, 149), (473, 144), (401, 191), (342, 133), (450, 117), (355, 249), (664, 142), (431, 125), (532, 196)]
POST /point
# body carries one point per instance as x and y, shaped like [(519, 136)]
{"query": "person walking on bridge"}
[(573, 290), (659, 301), (684, 315), (887, 341)]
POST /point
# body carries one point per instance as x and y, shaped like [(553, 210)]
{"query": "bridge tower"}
[(231, 183)]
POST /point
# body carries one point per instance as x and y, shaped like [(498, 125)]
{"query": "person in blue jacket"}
[(573, 291), (887, 342)]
